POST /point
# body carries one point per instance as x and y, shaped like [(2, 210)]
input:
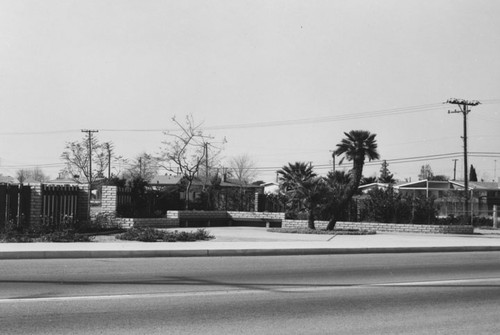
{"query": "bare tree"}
[(243, 168), (144, 166), (77, 158), (186, 151), (22, 175), (35, 174)]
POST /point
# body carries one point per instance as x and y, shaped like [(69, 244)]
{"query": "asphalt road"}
[(451, 293)]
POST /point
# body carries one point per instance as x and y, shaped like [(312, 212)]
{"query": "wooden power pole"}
[(463, 106), (89, 132)]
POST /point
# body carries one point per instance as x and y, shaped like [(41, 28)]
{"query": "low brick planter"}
[(146, 222), (175, 219), (386, 227)]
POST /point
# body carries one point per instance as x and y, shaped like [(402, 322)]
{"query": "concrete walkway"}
[(248, 241)]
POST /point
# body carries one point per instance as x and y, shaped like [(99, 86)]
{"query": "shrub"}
[(58, 236), (462, 220), (100, 223), (155, 235), (65, 236), (390, 207), (385, 206)]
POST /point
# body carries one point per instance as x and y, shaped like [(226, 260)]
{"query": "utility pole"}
[(495, 173), (89, 133), (463, 106), (206, 163), (333, 160), (108, 148), (455, 169)]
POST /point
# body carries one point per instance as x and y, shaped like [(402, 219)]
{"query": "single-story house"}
[(449, 195), (200, 183)]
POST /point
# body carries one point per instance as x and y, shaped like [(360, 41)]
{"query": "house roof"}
[(7, 179), (373, 185), (448, 185), (424, 184), (166, 180), (477, 185), (65, 181)]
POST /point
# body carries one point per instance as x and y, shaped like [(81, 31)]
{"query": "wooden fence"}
[(59, 205), (15, 201), (123, 196)]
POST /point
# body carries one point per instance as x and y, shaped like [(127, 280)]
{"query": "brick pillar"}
[(109, 199), (36, 204), (256, 202)]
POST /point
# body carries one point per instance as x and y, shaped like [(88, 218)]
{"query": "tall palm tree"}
[(356, 147)]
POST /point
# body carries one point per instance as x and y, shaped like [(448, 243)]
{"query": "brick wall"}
[(407, 228), (303, 224), (108, 199), (108, 205), (257, 215), (173, 218), (386, 227), (146, 222)]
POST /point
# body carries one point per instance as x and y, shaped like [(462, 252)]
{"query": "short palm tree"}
[(292, 174), (356, 147), (312, 193), (368, 180), (300, 184)]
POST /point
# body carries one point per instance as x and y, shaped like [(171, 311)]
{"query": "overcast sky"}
[(285, 79)]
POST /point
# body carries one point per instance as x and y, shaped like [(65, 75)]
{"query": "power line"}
[(399, 160), (343, 117)]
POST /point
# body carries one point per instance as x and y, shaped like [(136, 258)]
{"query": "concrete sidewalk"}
[(248, 241)]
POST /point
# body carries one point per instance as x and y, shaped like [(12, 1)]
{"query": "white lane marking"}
[(131, 296), (440, 282), (265, 289)]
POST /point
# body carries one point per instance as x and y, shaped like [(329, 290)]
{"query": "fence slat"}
[(59, 205)]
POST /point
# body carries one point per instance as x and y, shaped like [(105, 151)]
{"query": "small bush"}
[(65, 236), (462, 220), (102, 222), (155, 235), (58, 236)]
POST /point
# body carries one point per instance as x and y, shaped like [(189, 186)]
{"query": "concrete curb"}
[(65, 254)]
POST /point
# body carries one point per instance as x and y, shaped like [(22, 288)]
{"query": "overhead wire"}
[(321, 119)]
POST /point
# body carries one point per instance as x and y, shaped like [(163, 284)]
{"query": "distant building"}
[(449, 195)]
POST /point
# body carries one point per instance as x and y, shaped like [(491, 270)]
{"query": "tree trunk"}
[(186, 196), (335, 217), (310, 219), (352, 187), (331, 224)]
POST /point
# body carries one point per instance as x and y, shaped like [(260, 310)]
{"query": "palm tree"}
[(356, 146), (293, 173), (311, 192), (301, 185), (339, 177), (368, 180)]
